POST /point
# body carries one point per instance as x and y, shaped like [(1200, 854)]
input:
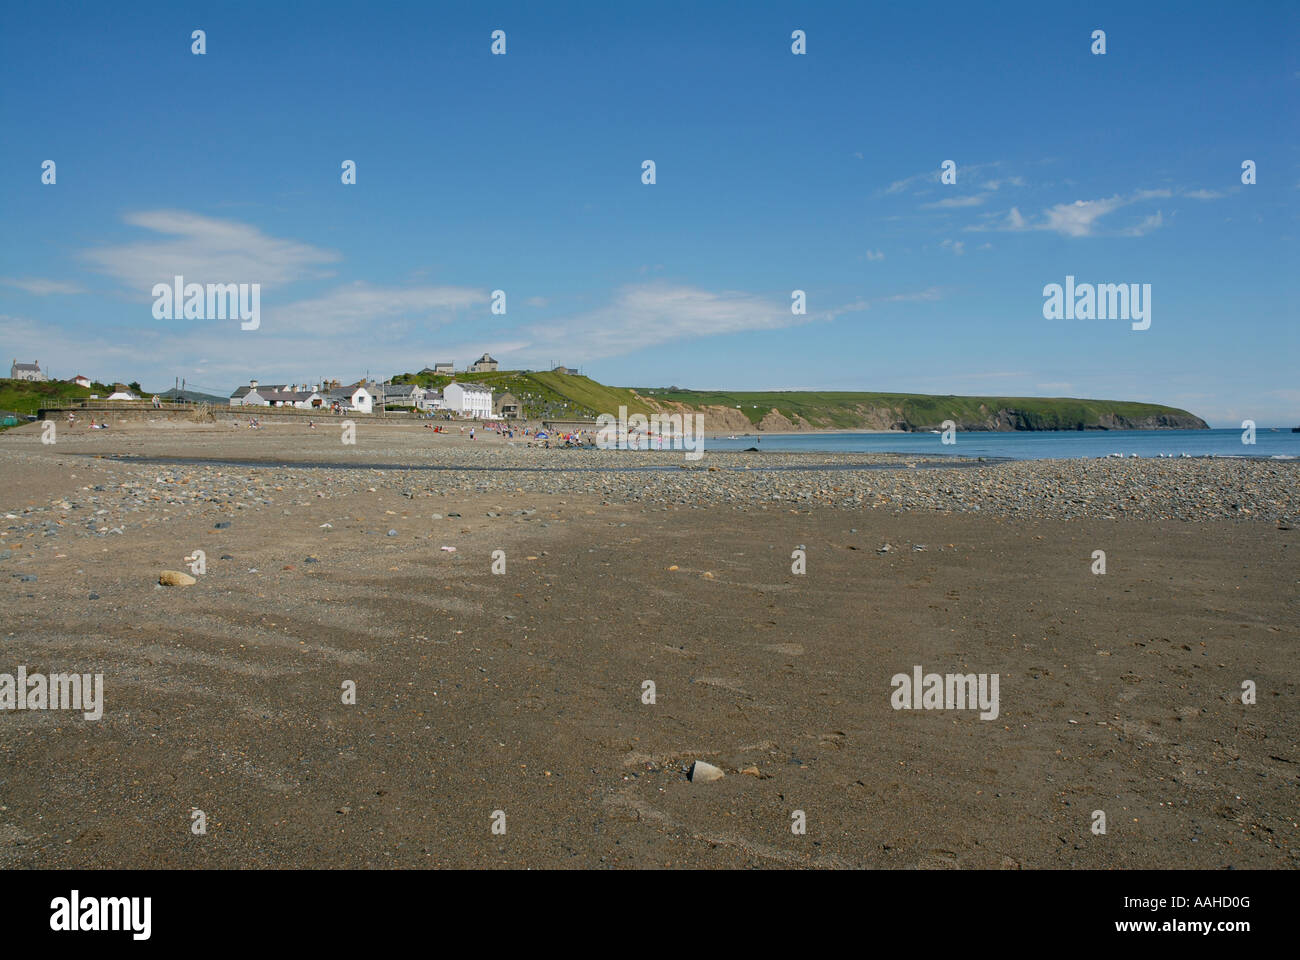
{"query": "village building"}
[(508, 407), (355, 398), (121, 392), (32, 371), (403, 394), (255, 394), (484, 364), (81, 381), (468, 399)]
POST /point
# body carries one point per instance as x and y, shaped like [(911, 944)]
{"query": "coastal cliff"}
[(795, 412)]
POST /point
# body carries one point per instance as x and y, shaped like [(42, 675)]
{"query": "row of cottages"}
[(464, 399), (468, 399), (26, 371), (299, 396)]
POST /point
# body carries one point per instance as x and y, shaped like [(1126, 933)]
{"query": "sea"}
[(1270, 443)]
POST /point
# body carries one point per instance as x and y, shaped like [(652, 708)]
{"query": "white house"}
[(275, 395), (432, 400), (81, 381), (121, 393), (301, 397), (26, 371), (250, 396), (355, 398), (469, 399)]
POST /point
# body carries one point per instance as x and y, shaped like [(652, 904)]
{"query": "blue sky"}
[(775, 172)]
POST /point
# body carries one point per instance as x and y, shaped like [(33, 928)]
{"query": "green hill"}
[(544, 395), (27, 396), (557, 395)]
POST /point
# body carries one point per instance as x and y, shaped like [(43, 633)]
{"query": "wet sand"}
[(522, 692)]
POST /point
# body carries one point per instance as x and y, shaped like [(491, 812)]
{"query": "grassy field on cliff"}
[(27, 396), (841, 409), (556, 395), (543, 394)]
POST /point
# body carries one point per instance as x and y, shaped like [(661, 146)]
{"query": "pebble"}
[(702, 772)]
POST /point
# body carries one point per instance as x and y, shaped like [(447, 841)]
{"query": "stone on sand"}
[(702, 772)]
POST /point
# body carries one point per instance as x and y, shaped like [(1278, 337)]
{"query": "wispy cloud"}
[(970, 200), (646, 315), (204, 250), (998, 184), (1080, 218), (362, 309), (40, 287), (1152, 222), (965, 173), (932, 293)]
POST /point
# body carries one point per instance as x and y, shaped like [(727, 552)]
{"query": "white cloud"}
[(925, 295), (997, 184), (873, 255), (1152, 222), (1081, 218), (362, 309), (964, 174), (1077, 219), (971, 200), (956, 246), (650, 314), (205, 250), (40, 287)]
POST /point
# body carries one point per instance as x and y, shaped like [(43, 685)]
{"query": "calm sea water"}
[(1044, 445)]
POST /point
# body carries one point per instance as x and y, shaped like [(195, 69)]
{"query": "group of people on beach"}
[(93, 425)]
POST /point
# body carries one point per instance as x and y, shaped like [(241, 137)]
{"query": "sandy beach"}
[(519, 697)]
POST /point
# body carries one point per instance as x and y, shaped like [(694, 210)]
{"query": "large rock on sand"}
[(174, 578)]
